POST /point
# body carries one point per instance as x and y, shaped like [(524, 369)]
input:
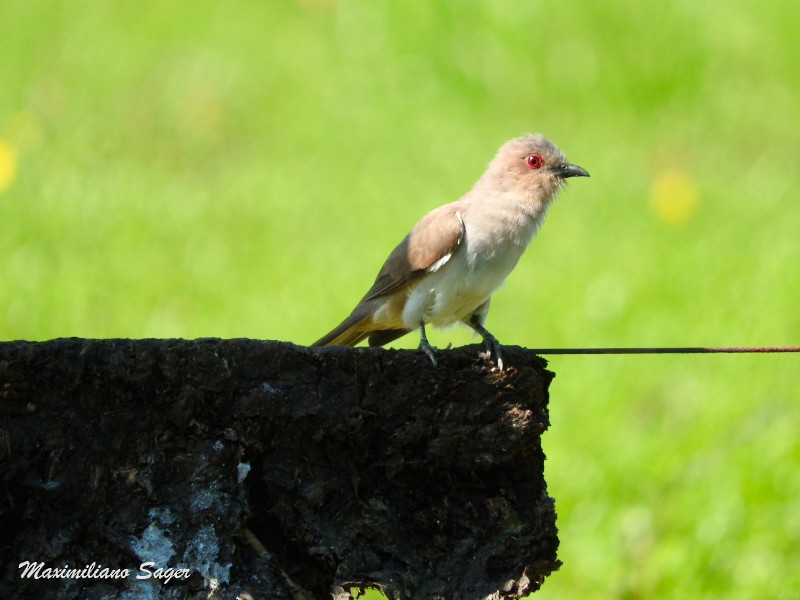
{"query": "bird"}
[(447, 268)]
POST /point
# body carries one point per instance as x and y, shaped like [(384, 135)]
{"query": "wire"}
[(686, 350)]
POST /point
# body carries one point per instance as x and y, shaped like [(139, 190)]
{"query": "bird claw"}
[(493, 348), (428, 350)]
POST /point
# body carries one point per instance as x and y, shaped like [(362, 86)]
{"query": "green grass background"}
[(241, 169)]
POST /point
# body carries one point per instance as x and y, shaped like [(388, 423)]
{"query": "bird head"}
[(530, 166)]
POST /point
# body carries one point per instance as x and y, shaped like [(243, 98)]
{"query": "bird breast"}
[(491, 247)]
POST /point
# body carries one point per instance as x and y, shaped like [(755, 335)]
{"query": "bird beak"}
[(568, 170)]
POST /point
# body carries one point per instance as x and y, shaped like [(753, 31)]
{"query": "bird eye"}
[(534, 161)]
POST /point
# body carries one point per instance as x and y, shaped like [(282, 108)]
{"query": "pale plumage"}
[(446, 269)]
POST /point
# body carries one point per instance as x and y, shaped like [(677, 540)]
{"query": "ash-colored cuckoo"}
[(446, 269)]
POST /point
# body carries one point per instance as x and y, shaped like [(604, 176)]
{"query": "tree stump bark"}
[(252, 469)]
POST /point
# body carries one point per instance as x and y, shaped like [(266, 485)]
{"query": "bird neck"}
[(514, 218)]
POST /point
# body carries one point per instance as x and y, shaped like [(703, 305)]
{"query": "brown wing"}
[(427, 248)]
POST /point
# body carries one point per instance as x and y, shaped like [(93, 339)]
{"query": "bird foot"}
[(493, 348), (428, 350)]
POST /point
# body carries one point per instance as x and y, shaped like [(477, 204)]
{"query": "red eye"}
[(534, 161)]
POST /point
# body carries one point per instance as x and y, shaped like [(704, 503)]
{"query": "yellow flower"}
[(673, 197), (8, 165)]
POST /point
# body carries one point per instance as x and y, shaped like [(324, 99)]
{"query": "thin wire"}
[(686, 350)]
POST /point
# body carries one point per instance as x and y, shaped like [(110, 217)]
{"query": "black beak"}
[(568, 170)]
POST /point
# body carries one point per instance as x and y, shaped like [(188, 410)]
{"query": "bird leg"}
[(491, 343), (424, 345)]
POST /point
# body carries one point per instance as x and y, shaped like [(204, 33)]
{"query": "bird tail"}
[(384, 336), (358, 327), (347, 333)]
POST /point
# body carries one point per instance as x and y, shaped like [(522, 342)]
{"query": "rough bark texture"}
[(273, 470)]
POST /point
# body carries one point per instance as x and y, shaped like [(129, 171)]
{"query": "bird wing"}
[(426, 249)]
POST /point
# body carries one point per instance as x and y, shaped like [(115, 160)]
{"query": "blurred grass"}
[(199, 169)]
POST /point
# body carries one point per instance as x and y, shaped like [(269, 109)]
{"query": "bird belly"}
[(453, 293)]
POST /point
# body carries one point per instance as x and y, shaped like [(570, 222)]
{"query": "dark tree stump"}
[(269, 469)]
